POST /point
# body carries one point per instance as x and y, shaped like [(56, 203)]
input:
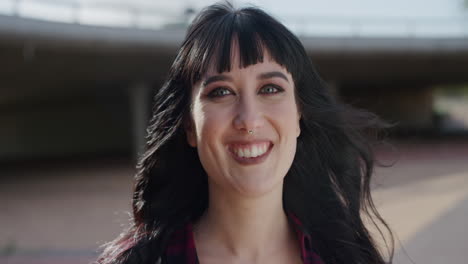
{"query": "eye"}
[(271, 89), (219, 92)]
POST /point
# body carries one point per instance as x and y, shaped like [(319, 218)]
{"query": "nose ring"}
[(250, 132)]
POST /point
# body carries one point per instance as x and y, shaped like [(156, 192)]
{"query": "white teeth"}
[(240, 153), (252, 151), (255, 151), (247, 153)]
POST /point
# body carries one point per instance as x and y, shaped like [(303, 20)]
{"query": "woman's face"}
[(225, 107)]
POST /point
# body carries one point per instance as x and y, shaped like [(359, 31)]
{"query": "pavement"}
[(424, 199), (62, 211)]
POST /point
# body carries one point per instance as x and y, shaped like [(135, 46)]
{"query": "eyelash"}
[(278, 88), (215, 92)]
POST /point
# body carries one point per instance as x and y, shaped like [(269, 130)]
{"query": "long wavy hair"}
[(328, 185)]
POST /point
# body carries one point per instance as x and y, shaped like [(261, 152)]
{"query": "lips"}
[(250, 152)]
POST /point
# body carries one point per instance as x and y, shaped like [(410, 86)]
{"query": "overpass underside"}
[(91, 92)]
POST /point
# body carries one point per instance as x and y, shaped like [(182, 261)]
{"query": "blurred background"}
[(77, 76)]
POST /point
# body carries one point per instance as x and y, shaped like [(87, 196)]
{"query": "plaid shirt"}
[(181, 247)]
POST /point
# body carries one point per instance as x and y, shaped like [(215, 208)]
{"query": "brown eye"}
[(219, 92), (271, 89)]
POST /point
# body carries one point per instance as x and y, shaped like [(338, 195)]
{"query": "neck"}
[(249, 227)]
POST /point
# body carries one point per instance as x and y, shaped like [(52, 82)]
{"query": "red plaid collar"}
[(308, 255), (181, 248)]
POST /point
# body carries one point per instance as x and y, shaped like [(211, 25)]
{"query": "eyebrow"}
[(216, 78), (262, 76), (269, 75)]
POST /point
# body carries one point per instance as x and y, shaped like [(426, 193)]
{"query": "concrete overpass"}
[(69, 89)]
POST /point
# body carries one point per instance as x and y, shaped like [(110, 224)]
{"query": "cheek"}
[(209, 122), (286, 117), (211, 125), (288, 126)]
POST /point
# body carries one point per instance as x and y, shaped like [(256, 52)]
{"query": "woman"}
[(249, 159)]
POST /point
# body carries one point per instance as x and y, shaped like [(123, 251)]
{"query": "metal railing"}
[(120, 13), (379, 26), (103, 13)]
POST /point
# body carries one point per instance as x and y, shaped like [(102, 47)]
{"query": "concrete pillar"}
[(140, 104), (333, 87)]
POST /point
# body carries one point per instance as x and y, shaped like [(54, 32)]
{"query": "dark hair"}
[(328, 184)]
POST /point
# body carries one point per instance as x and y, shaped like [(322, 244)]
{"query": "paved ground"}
[(424, 197), (61, 213)]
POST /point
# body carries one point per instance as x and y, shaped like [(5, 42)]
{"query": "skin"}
[(245, 221)]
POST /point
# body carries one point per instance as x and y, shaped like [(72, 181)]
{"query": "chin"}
[(257, 187)]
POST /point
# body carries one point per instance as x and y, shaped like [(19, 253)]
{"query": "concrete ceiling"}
[(43, 58)]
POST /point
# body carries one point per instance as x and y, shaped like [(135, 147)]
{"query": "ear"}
[(298, 132), (190, 132)]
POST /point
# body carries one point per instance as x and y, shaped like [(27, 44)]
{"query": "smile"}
[(250, 153)]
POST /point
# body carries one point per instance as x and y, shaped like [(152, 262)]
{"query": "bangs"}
[(250, 30)]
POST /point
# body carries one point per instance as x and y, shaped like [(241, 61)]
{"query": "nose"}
[(248, 115)]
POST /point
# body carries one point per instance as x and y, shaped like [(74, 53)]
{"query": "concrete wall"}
[(65, 127), (409, 108)]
